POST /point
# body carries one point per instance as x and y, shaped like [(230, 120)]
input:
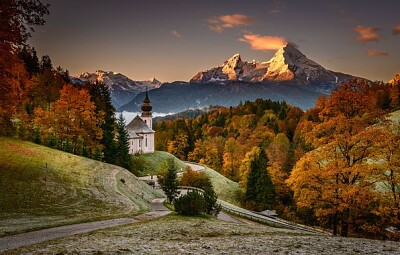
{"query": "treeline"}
[(336, 165), (39, 103), (234, 140)]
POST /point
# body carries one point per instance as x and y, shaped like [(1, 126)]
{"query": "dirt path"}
[(29, 238)]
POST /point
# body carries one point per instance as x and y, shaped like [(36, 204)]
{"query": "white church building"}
[(140, 130)]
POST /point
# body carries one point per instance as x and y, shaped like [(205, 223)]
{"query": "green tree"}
[(123, 157), (102, 99), (260, 192), (168, 180), (211, 201)]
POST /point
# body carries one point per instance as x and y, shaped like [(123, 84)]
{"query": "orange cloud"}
[(396, 29), (377, 53), (259, 42), (218, 24), (367, 34)]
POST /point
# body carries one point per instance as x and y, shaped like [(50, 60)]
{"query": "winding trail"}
[(29, 238)]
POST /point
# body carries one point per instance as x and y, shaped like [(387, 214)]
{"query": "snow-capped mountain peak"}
[(232, 67), (288, 64)]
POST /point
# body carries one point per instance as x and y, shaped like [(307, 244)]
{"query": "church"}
[(140, 130)]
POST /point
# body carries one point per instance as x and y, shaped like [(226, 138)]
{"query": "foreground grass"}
[(174, 234), (41, 187)]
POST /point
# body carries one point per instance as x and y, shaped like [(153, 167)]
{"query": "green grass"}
[(226, 189), (151, 163), (42, 187), (394, 116)]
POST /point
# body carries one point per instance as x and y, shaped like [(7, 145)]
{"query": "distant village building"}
[(140, 130)]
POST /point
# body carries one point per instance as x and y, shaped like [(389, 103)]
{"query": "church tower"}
[(147, 116), (140, 130)]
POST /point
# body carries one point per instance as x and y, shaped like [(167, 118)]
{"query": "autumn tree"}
[(334, 179), (231, 161), (72, 117), (387, 174), (16, 21), (195, 179), (179, 146)]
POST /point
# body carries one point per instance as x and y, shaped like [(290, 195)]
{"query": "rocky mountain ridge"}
[(288, 64), (122, 88)]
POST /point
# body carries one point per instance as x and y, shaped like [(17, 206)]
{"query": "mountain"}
[(288, 64), (122, 88), (181, 96)]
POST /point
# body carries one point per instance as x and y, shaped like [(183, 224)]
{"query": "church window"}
[(146, 142)]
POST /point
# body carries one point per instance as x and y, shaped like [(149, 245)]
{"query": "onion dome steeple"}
[(146, 105)]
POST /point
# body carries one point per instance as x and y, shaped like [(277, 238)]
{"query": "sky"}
[(173, 40)]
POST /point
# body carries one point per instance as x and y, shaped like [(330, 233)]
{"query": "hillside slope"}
[(41, 187), (226, 189)]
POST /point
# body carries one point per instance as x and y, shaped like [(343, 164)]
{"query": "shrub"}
[(195, 179), (191, 203)]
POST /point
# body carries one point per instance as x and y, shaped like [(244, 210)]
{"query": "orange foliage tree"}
[(72, 119), (336, 179)]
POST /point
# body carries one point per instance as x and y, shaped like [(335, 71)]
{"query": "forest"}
[(335, 165), (39, 103)]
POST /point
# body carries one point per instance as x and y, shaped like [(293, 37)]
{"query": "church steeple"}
[(146, 105), (146, 111)]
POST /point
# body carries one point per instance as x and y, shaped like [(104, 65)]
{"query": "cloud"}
[(377, 53), (220, 23), (396, 29), (259, 42), (367, 34), (175, 33)]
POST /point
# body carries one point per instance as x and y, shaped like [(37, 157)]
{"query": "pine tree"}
[(266, 193), (123, 157), (211, 201), (260, 193), (102, 99), (168, 180)]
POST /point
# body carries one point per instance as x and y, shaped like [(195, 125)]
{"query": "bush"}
[(190, 204), (195, 179)]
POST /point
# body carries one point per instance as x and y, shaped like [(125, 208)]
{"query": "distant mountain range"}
[(122, 89), (289, 75)]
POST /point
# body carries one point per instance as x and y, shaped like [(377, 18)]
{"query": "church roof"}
[(138, 126), (133, 135)]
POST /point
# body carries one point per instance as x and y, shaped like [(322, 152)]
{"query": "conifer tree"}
[(260, 193), (168, 180), (101, 97), (123, 157)]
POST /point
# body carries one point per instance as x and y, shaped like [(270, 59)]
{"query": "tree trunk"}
[(345, 223), (335, 224)]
